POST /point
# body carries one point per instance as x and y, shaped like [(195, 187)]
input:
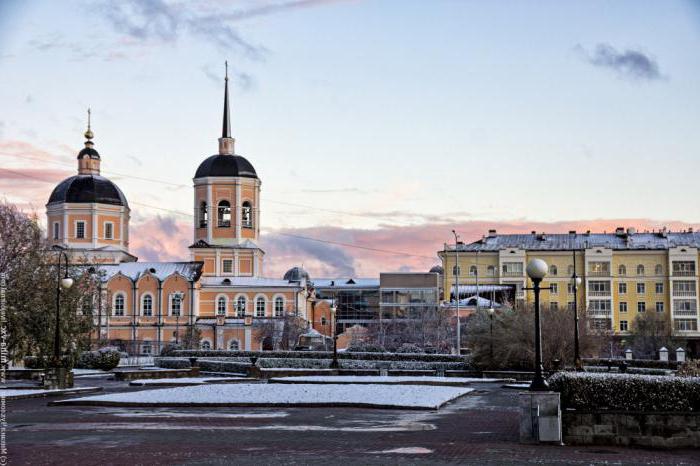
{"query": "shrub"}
[(169, 349), (689, 369), (172, 363), (648, 363), (32, 362), (367, 356), (409, 348), (626, 392), (106, 359), (362, 347)]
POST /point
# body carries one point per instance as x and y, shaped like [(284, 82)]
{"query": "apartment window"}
[(622, 270), (659, 288), (641, 307), (554, 288), (599, 268), (240, 306), (227, 265), (247, 215), (224, 212), (119, 305), (641, 289), (260, 307), (623, 306), (552, 269), (175, 304), (221, 306), (659, 306), (147, 305), (279, 307), (599, 306), (553, 306), (684, 268), (623, 326), (570, 305), (472, 270), (686, 325), (684, 307), (684, 288), (109, 230), (56, 230), (570, 270), (491, 270), (622, 288), (658, 270), (640, 269), (512, 268), (456, 270), (80, 230), (599, 288), (570, 288)]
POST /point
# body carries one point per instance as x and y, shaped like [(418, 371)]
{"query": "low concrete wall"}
[(24, 374), (658, 430), (157, 374)]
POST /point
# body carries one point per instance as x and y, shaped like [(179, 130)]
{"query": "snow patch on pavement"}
[(184, 381), (378, 379), (407, 451)]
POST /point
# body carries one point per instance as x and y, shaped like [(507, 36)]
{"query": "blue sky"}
[(402, 113)]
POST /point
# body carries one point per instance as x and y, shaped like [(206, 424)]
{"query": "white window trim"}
[(205, 340), (284, 304), (104, 230), (114, 304), (228, 345), (223, 271), (75, 229), (182, 303), (250, 225), (143, 298), (255, 305), (216, 304), (235, 305)]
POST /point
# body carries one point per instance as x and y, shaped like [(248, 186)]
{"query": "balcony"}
[(512, 274), (605, 293), (684, 293), (683, 273), (600, 313), (599, 273), (686, 313)]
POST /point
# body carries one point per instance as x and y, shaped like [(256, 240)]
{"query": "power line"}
[(189, 215)]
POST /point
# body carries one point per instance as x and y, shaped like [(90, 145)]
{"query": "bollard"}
[(628, 353)]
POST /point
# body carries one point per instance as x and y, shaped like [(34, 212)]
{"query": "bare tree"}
[(649, 333), (282, 333)]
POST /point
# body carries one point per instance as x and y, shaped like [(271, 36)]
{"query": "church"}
[(220, 293)]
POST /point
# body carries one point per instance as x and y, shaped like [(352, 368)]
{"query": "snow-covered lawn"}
[(389, 380), (244, 394), (186, 381), (39, 392)]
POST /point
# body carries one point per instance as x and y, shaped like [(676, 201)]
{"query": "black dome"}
[(295, 274), (226, 165), (88, 189), (90, 152), (437, 269)]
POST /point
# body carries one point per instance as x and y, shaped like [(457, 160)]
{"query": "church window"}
[(240, 306), (227, 265), (221, 306), (175, 304), (260, 307), (224, 214), (119, 305), (234, 345), (109, 230), (80, 230), (203, 215), (247, 215), (55, 230), (206, 345), (279, 306), (147, 305)]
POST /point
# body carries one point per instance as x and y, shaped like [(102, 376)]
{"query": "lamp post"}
[(575, 283), (65, 282), (491, 310), (178, 296), (537, 270), (457, 270), (334, 362)]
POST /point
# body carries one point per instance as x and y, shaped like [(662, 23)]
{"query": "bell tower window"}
[(109, 230), (80, 230), (247, 215), (224, 214), (203, 215), (56, 230)]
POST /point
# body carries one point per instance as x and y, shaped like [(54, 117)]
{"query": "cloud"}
[(275, 7), (630, 63), (161, 238)]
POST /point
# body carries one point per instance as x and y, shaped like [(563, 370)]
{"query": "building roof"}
[(226, 165), (88, 189), (296, 274), (347, 282), (162, 270), (620, 240), (246, 282)]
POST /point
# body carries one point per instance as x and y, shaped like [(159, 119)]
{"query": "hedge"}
[(648, 363), (321, 355), (626, 392)]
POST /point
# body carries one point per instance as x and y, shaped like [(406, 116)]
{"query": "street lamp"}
[(491, 310), (178, 296), (334, 362), (575, 283), (66, 282), (457, 270), (537, 270)]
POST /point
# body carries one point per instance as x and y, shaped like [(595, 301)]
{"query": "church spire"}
[(89, 158), (226, 141)]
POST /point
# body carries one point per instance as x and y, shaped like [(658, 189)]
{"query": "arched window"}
[(224, 214), (658, 270), (279, 306), (247, 215), (234, 345), (323, 321), (640, 269), (205, 345), (491, 270), (622, 270), (553, 270), (472, 270), (203, 215), (147, 305), (119, 305), (456, 270), (260, 307), (221, 306), (240, 306)]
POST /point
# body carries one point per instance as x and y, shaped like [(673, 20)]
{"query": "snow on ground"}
[(29, 393), (186, 381), (380, 396), (378, 379), (88, 371), (517, 385)]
